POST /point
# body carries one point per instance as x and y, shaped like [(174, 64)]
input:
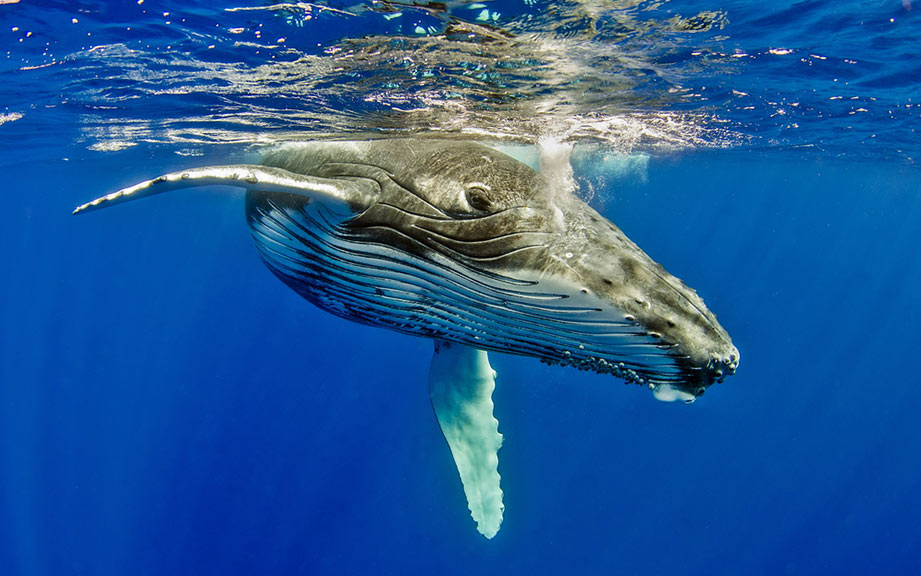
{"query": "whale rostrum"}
[(463, 244)]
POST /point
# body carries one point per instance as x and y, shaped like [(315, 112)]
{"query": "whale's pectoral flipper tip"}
[(461, 383)]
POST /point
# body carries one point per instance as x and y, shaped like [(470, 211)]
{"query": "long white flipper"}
[(461, 383), (346, 193)]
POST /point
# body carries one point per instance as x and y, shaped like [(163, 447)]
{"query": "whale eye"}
[(478, 198)]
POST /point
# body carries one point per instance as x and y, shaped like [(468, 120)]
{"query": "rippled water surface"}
[(833, 78)]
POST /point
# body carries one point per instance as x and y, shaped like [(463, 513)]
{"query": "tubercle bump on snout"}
[(723, 366)]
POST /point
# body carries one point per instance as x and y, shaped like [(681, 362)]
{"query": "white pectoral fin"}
[(461, 383), (335, 192)]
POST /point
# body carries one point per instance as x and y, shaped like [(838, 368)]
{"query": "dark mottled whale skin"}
[(458, 241)]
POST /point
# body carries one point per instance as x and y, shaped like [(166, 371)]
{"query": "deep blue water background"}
[(168, 407)]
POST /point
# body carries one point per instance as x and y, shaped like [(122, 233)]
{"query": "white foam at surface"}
[(9, 117), (555, 164)]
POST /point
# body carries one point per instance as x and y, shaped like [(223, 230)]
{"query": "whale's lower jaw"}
[(429, 295)]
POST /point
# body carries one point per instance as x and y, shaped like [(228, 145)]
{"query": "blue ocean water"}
[(168, 407)]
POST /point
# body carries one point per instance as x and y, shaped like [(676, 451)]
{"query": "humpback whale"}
[(463, 244)]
